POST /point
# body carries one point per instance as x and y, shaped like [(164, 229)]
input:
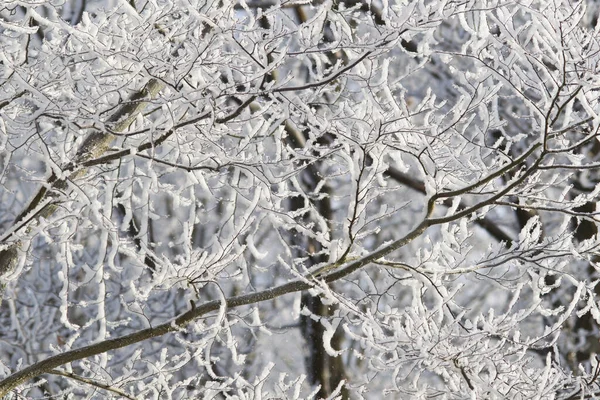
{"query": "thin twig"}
[(92, 383)]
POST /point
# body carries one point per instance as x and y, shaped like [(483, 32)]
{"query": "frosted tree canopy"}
[(267, 199)]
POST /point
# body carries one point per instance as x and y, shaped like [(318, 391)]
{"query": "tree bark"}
[(95, 145)]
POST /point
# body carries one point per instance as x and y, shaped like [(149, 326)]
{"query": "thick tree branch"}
[(180, 322), (93, 146), (337, 272)]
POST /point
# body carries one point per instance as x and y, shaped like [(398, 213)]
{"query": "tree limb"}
[(93, 146)]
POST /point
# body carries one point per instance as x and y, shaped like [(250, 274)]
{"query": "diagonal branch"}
[(93, 146), (180, 322), (490, 226)]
